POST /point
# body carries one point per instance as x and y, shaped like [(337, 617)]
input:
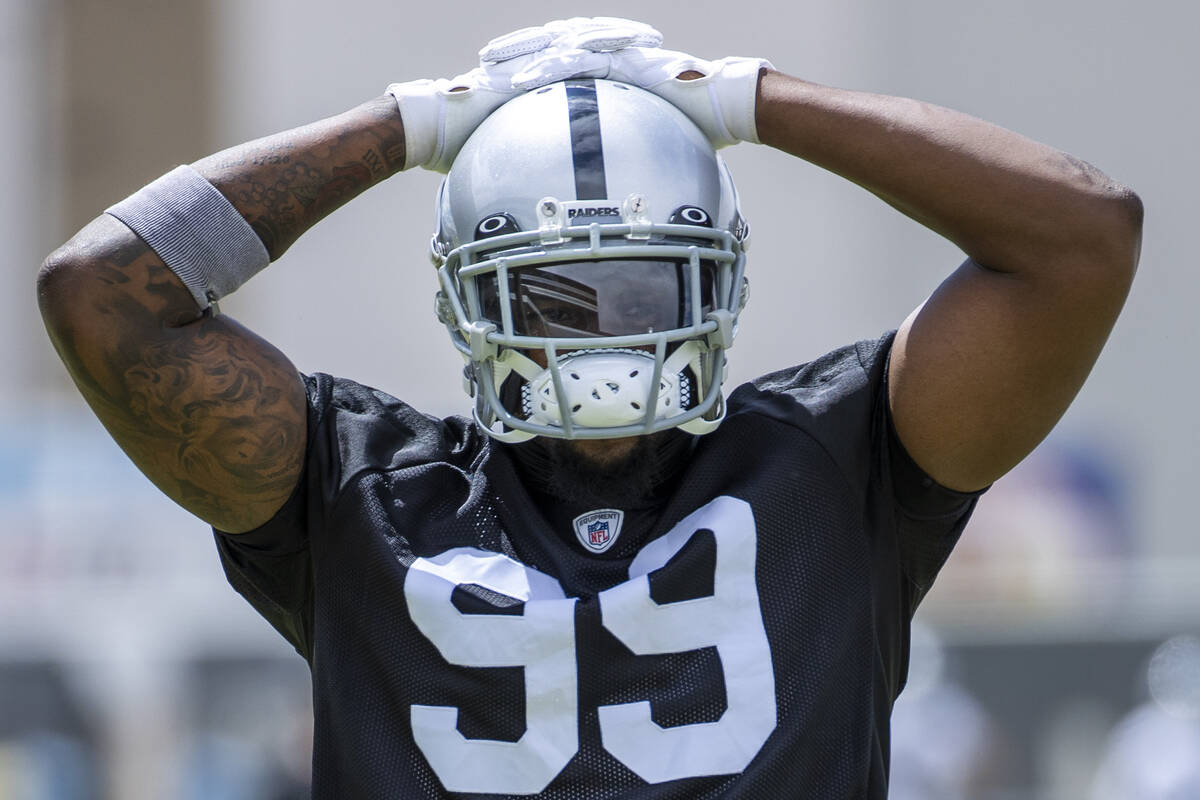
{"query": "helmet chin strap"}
[(602, 388)]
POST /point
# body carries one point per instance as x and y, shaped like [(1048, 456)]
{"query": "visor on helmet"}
[(615, 297)]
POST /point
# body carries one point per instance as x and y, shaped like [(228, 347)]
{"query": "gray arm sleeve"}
[(197, 232)]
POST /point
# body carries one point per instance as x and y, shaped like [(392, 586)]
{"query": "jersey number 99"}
[(542, 641)]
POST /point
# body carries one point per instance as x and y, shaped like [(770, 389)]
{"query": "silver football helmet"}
[(590, 251)]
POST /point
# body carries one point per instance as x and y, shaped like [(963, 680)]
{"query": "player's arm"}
[(983, 370), (211, 413)]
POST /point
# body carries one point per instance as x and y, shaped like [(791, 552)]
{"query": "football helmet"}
[(590, 254)]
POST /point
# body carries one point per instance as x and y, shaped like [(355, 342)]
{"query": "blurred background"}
[(1056, 658)]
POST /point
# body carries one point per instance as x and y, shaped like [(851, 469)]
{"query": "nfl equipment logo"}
[(597, 530)]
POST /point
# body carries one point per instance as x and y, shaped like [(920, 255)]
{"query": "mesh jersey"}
[(747, 642)]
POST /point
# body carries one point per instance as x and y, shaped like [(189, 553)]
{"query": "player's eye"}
[(561, 315)]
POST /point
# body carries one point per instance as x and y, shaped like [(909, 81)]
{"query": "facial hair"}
[(584, 481), (562, 469)]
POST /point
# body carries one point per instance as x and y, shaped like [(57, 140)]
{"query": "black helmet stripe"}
[(587, 151)]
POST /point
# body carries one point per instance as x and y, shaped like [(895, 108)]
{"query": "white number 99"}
[(542, 640)]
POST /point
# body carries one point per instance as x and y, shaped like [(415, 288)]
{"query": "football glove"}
[(439, 115), (721, 101)]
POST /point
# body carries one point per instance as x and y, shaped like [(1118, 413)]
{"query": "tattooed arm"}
[(211, 413)]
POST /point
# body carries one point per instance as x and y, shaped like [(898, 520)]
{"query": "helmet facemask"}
[(600, 322)]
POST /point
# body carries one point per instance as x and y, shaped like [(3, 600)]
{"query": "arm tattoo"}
[(212, 414), (224, 421), (284, 184)]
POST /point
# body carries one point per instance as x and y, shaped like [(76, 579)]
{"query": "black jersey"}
[(746, 640)]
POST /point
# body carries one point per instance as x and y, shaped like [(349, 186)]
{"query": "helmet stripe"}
[(587, 151)]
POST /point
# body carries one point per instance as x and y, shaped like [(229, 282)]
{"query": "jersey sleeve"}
[(841, 400), (270, 566), (929, 516), (352, 429)]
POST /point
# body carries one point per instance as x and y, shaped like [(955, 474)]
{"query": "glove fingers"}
[(632, 24), (638, 33), (602, 34), (597, 34), (561, 65), (601, 41), (516, 44), (612, 33)]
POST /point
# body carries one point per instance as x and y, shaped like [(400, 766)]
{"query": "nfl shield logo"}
[(597, 530), (598, 533)]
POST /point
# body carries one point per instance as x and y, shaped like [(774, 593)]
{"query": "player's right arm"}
[(214, 415), (211, 413)]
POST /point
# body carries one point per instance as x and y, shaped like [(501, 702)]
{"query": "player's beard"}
[(593, 474)]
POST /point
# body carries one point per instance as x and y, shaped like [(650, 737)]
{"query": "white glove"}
[(721, 103), (438, 120), (590, 34), (440, 114)]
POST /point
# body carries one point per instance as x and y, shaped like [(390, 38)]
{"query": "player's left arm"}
[(984, 369)]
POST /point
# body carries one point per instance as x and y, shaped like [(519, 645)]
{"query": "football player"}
[(613, 581)]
